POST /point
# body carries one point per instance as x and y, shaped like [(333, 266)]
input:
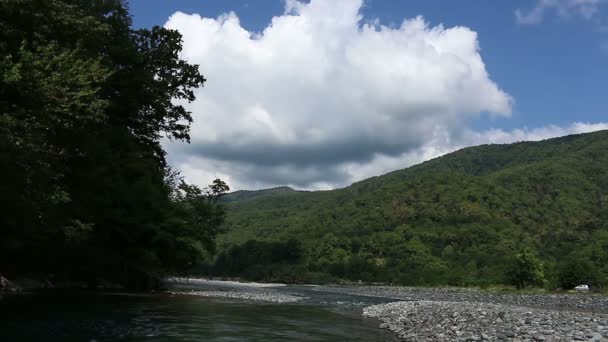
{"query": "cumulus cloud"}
[(243, 175), (323, 97), (320, 87), (564, 8)]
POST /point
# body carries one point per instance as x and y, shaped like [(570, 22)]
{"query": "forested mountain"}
[(246, 195), (529, 213), (85, 191)]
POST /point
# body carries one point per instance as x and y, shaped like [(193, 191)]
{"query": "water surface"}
[(128, 317)]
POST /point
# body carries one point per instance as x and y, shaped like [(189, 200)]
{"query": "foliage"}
[(576, 271), (84, 102), (527, 270), (259, 260), (460, 219)]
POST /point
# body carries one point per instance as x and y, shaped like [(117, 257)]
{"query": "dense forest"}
[(85, 190), (526, 214)]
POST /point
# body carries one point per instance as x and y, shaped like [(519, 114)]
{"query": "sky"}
[(323, 93)]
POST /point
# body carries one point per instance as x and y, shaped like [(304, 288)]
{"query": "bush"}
[(526, 270), (577, 271)]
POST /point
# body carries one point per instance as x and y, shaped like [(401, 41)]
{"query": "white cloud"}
[(321, 98), (321, 86), (247, 176), (564, 8)]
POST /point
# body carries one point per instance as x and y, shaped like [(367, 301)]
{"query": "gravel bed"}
[(574, 302), (261, 296), (219, 283), (248, 291), (460, 321)]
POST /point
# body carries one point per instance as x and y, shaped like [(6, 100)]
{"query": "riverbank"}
[(452, 314), (242, 295), (585, 302), (247, 291), (465, 321), (219, 283), (447, 314)]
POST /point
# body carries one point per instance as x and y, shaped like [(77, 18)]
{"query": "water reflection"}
[(114, 317)]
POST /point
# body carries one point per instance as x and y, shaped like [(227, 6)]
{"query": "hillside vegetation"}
[(527, 214)]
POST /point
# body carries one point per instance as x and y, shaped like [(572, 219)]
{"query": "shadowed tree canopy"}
[(85, 189)]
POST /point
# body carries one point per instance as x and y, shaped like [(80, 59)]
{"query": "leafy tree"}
[(261, 260), (84, 102), (576, 270), (527, 270)]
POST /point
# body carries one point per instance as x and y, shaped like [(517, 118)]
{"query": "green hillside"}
[(530, 213), (246, 195)]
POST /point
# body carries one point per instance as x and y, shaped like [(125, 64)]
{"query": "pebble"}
[(426, 320), (271, 297)]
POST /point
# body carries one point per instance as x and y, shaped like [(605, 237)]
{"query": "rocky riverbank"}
[(455, 314), (265, 296), (586, 302), (463, 321), (441, 314), (248, 291)]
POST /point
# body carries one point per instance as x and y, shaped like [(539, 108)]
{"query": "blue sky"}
[(553, 63)]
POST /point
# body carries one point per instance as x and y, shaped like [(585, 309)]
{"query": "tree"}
[(526, 270), (50, 92), (577, 270), (84, 102)]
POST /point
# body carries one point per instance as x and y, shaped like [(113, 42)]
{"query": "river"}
[(92, 316)]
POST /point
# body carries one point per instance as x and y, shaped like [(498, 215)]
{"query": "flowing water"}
[(161, 317)]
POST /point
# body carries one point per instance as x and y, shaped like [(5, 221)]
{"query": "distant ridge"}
[(244, 195)]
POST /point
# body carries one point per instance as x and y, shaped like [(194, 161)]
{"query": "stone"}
[(510, 322)]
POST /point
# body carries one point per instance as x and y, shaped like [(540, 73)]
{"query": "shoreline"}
[(455, 314), (459, 321), (432, 314), (241, 295), (584, 302), (229, 289), (214, 282)]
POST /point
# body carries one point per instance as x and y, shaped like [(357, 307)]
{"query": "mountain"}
[(245, 195), (481, 215)]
